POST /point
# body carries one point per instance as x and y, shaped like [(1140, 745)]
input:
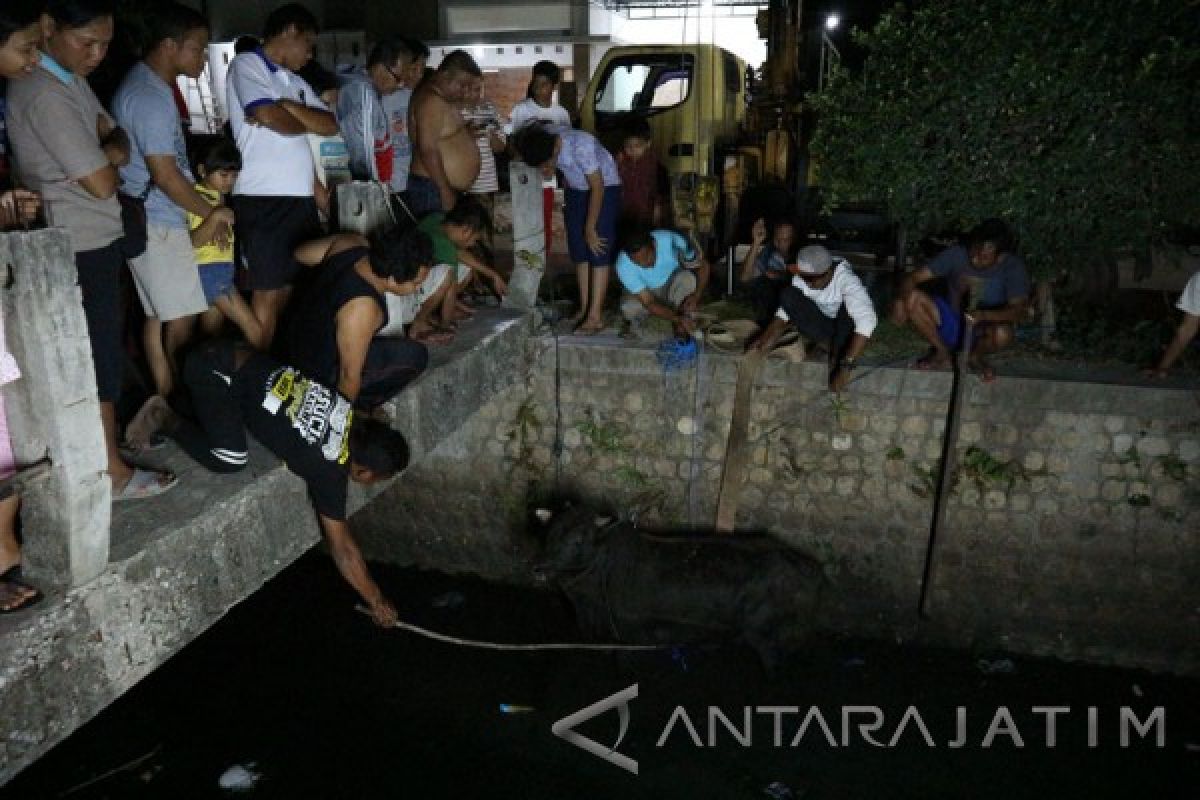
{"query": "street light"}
[(832, 21)]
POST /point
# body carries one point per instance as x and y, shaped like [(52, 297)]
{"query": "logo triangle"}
[(565, 728)]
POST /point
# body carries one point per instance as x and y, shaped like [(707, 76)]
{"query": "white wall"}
[(736, 34), (489, 56)]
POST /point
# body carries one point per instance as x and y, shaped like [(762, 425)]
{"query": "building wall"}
[(1071, 532)]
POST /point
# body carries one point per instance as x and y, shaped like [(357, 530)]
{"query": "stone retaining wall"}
[(1071, 531)]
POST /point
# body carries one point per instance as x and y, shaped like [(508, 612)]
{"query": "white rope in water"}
[(441, 637)]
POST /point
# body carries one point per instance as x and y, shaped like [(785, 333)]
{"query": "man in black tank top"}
[(303, 422), (336, 319)]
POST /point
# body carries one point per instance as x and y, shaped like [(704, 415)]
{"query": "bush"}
[(1075, 120)]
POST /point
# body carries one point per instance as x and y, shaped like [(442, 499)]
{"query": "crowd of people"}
[(253, 316), (232, 237)]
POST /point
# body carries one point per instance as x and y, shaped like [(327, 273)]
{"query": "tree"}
[(1078, 121)]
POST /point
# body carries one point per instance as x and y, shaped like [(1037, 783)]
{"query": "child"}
[(590, 210), (539, 106), (212, 238), (454, 234), (641, 198)]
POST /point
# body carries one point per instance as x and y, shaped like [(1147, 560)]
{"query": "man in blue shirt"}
[(984, 279), (166, 276), (664, 275)]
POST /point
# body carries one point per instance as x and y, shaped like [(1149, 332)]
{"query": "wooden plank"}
[(737, 454)]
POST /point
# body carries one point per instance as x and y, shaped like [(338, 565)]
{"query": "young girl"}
[(539, 106), (590, 210), (212, 238)]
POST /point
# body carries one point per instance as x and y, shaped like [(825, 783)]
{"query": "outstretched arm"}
[(484, 269), (1183, 337), (350, 563)]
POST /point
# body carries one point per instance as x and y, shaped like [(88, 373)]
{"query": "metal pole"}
[(729, 271), (949, 465)]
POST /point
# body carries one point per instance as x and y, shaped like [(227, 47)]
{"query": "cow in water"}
[(680, 589)]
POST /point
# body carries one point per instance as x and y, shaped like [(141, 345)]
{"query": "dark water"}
[(330, 707)]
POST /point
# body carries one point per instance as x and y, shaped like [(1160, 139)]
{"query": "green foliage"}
[(1139, 500), (895, 453), (1130, 456), (525, 429), (1173, 467), (1075, 120), (927, 478), (600, 437), (1086, 329), (631, 476), (982, 468)]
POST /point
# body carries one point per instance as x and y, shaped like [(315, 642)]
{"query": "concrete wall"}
[(52, 410), (1071, 533)]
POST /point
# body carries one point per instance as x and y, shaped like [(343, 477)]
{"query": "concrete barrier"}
[(53, 411)]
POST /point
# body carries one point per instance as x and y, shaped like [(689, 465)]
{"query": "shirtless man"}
[(445, 156)]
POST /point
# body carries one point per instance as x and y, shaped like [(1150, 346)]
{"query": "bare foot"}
[(149, 420), (431, 335), (590, 326), (934, 359), (987, 373)]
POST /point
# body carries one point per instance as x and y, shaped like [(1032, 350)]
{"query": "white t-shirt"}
[(395, 108), (843, 287), (528, 109), (1189, 301), (272, 164)]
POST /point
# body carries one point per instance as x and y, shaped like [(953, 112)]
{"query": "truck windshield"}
[(648, 83)]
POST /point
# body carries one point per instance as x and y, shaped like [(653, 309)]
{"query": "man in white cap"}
[(826, 303)]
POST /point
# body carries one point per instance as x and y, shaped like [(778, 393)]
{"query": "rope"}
[(441, 637)]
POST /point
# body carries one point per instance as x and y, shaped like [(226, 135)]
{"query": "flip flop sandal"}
[(11, 580), (144, 483)]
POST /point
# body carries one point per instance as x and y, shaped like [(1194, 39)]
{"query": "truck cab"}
[(693, 96)]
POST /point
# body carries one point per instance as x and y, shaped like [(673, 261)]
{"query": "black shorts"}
[(209, 374), (99, 282), (268, 229)]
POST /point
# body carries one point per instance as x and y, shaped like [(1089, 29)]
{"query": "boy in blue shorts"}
[(212, 238)]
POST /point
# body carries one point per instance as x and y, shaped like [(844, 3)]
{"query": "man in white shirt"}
[(271, 111), (825, 303), (395, 108)]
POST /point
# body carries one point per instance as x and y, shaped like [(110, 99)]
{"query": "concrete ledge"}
[(180, 561), (63, 665)]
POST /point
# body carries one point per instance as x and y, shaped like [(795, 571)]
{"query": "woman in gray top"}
[(68, 148)]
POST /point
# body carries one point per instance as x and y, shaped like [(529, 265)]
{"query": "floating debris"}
[(450, 600), (512, 708), (779, 791), (239, 778), (1000, 666)]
